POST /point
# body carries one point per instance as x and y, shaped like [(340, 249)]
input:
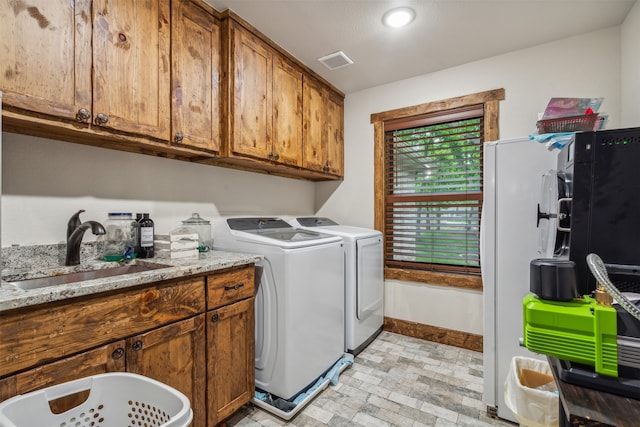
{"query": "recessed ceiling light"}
[(398, 17)]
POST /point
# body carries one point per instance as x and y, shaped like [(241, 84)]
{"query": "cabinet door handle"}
[(102, 119), (179, 137), (137, 345), (277, 157), (117, 353), (234, 287), (83, 115), (214, 318)]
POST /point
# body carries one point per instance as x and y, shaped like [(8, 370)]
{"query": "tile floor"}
[(396, 381)]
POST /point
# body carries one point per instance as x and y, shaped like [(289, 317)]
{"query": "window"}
[(429, 187)]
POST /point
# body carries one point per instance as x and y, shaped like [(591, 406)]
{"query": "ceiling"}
[(445, 33)]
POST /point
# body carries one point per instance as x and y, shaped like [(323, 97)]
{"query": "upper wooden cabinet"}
[(50, 51), (45, 56), (334, 109), (323, 129), (265, 103), (173, 78), (287, 112), (131, 68), (195, 77)]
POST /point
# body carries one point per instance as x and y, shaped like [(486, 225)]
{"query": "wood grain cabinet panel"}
[(174, 355), (131, 66), (250, 103), (266, 101), (287, 112), (334, 108), (45, 56), (230, 359), (314, 132), (232, 286), (32, 337), (323, 129), (108, 358), (195, 77)]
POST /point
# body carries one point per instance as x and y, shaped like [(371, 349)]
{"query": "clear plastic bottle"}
[(146, 236), (119, 240)]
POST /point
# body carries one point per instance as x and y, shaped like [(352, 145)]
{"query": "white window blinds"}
[(433, 190)]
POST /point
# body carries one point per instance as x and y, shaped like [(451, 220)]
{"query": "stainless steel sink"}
[(81, 276)]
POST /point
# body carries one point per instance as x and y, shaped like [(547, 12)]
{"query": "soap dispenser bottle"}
[(146, 236)]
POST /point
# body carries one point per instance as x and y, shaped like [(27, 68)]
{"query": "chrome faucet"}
[(75, 231)]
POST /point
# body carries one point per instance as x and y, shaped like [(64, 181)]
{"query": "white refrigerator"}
[(513, 171)]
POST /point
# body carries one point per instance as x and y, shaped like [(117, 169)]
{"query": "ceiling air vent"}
[(336, 60)]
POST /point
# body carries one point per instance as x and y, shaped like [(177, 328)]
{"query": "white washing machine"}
[(364, 279), (299, 300)]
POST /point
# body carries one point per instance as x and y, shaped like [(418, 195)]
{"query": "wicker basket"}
[(568, 124)]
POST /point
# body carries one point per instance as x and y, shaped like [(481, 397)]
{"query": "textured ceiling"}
[(444, 34)]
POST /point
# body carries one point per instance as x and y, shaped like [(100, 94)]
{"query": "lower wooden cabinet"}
[(108, 358), (230, 359), (174, 355), (162, 331)]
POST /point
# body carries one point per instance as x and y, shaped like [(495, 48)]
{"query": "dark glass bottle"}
[(136, 226), (146, 236)]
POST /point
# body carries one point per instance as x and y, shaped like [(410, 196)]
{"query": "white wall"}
[(46, 181), (630, 43), (584, 66)]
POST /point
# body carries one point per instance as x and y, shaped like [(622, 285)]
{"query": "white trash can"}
[(530, 392)]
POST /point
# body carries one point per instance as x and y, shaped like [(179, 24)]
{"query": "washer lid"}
[(315, 221), (325, 225), (246, 224), (276, 229)]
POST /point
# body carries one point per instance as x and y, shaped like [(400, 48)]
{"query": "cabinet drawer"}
[(228, 287), (49, 332), (108, 358)]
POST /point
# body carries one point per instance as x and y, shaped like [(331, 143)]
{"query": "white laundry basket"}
[(115, 400)]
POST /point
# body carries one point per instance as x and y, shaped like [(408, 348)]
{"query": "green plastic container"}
[(580, 331)]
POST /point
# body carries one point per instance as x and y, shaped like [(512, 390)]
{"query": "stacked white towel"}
[(178, 244)]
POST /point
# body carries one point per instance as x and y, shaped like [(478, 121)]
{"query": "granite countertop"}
[(12, 297)]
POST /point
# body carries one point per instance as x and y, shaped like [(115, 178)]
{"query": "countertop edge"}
[(12, 297)]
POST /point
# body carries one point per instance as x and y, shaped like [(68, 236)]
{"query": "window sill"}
[(435, 278)]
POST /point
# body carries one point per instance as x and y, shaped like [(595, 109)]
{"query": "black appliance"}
[(598, 211), (604, 170)]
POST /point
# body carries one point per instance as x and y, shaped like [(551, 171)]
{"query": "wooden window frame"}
[(490, 100)]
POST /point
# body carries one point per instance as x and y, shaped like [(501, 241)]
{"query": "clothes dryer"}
[(364, 278), (299, 301)]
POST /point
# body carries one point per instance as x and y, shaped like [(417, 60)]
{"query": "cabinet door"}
[(174, 355), (45, 56), (335, 135), (314, 134), (131, 66), (195, 77), (287, 113), (230, 359), (108, 358), (251, 99)]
